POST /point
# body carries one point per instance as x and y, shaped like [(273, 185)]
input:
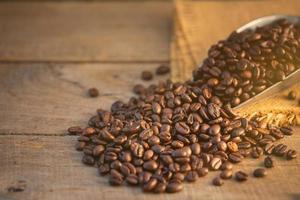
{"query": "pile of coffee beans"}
[(247, 63), (174, 132)]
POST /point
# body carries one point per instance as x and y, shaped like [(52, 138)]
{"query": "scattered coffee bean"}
[(259, 172), (269, 163), (241, 176), (163, 69), (226, 174), (226, 166), (139, 89), (191, 176), (292, 95), (93, 92), (291, 154), (75, 130), (173, 187), (217, 181), (146, 75), (202, 172)]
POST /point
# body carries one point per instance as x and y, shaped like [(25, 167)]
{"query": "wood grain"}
[(53, 170), (85, 32), (47, 99)]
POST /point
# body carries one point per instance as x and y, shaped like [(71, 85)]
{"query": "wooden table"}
[(50, 54)]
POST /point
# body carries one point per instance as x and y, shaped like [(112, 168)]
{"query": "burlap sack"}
[(199, 24)]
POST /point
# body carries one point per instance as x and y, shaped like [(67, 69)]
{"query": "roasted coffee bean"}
[(192, 176), (226, 174), (256, 152), (287, 130), (162, 69), (93, 92), (215, 163), (291, 154), (139, 89), (150, 165), (280, 149), (241, 176), (232, 146), (150, 185), (268, 162), (160, 188), (217, 181), (146, 75), (269, 148), (174, 186), (214, 129), (89, 160), (259, 172), (182, 128), (132, 179), (235, 157), (292, 95), (75, 130), (226, 166)]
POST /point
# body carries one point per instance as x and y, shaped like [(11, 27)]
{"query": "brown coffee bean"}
[(269, 148), (137, 150), (139, 89), (269, 163), (292, 95), (163, 69), (173, 187), (217, 181), (226, 166), (146, 75), (202, 171), (235, 157), (215, 163), (98, 150), (226, 174), (192, 176), (286, 130), (75, 130), (132, 179), (291, 154), (259, 172), (182, 128), (93, 92), (150, 165), (160, 188), (241, 176), (115, 181), (256, 152), (88, 160), (214, 129), (232, 146), (280, 149), (150, 185)]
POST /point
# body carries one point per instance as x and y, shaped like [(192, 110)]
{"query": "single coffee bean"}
[(182, 128), (217, 181), (241, 176), (226, 166), (150, 185), (280, 149), (88, 160), (226, 174), (268, 162), (139, 89), (75, 130), (202, 171), (292, 95), (232, 146), (132, 179), (150, 165), (286, 130), (291, 154), (93, 92), (192, 176), (146, 75), (269, 148), (163, 69), (256, 152), (160, 188), (174, 187), (235, 157), (259, 172), (215, 163)]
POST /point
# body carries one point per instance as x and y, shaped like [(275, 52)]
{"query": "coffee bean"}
[(241, 176), (202, 171), (182, 128), (256, 152), (75, 130), (292, 95), (259, 172), (150, 165), (139, 89), (226, 174), (93, 92), (291, 154), (280, 149), (89, 160), (174, 187), (269, 148), (214, 129), (163, 69), (235, 157), (217, 181), (160, 188), (215, 163), (146, 75), (150, 185), (132, 179), (232, 146), (268, 162), (226, 166), (192, 176), (287, 130)]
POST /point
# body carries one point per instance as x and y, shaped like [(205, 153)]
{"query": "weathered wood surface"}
[(43, 91), (43, 99), (85, 31), (53, 170)]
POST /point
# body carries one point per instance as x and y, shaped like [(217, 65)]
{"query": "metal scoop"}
[(291, 79)]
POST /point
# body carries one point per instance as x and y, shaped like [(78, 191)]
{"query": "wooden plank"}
[(47, 99), (53, 170), (85, 31)]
